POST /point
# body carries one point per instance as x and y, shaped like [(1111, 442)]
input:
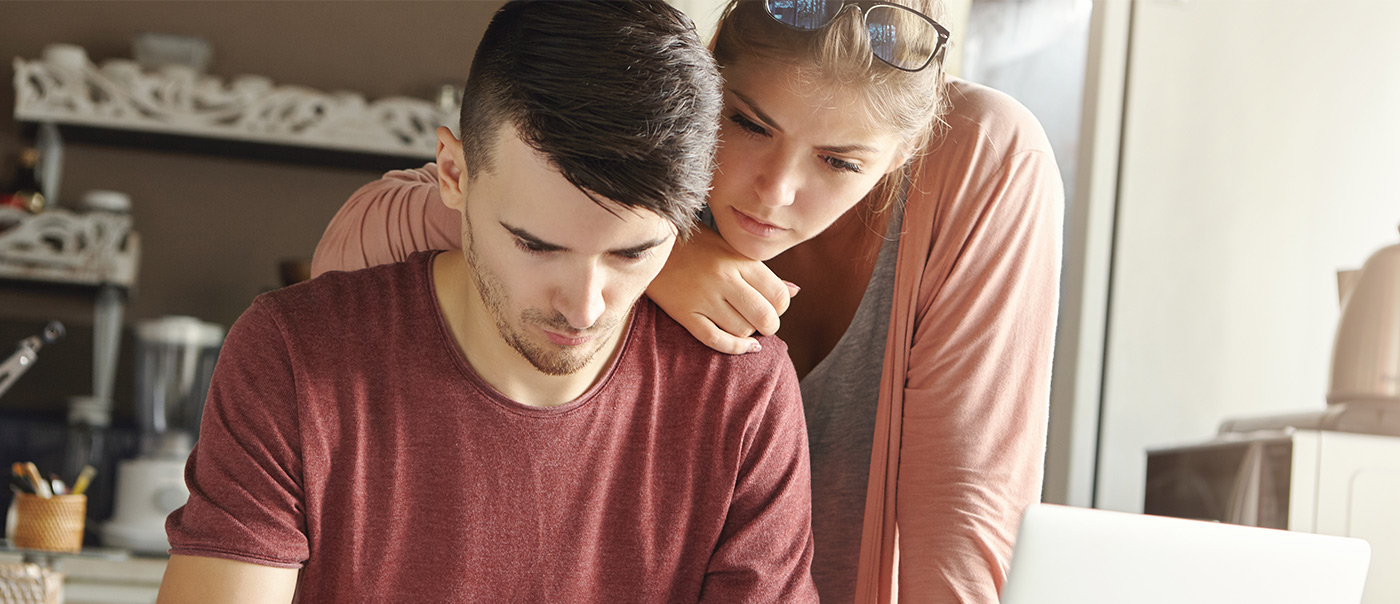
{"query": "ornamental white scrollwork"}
[(65, 87), (91, 248)]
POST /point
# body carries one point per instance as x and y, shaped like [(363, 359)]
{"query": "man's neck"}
[(492, 358)]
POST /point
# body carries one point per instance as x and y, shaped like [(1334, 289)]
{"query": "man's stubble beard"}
[(550, 363)]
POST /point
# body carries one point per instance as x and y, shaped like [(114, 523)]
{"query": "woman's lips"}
[(755, 226)]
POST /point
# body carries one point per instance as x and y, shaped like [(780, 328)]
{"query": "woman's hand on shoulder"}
[(719, 295)]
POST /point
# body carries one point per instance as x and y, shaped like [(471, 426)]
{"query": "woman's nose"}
[(777, 182)]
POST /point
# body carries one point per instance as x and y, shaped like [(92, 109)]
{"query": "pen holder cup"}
[(53, 524)]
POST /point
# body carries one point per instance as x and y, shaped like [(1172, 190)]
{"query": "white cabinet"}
[(1356, 494), (1259, 142)]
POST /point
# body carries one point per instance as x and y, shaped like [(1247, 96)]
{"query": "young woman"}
[(921, 220)]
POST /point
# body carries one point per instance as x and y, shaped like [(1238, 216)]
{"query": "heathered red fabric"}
[(345, 434)]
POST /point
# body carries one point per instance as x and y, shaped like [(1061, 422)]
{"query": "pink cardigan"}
[(961, 418), (964, 399)]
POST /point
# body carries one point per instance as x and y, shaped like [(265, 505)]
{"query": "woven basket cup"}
[(54, 524)]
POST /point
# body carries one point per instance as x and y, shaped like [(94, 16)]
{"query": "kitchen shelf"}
[(176, 107), (59, 246)]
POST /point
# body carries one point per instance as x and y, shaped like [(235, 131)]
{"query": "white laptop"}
[(1067, 555)]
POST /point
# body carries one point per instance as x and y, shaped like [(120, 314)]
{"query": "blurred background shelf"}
[(177, 108)]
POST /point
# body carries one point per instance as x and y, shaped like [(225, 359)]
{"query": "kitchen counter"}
[(89, 581)]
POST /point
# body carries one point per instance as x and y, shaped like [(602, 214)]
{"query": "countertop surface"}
[(134, 580)]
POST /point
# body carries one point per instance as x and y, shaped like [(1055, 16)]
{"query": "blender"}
[(175, 359)]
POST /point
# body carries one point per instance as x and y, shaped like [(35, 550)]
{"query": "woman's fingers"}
[(719, 339), (723, 315), (754, 309), (761, 298)]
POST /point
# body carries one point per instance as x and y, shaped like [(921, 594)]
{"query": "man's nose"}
[(581, 300)]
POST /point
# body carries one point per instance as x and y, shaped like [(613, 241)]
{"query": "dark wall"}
[(213, 228)]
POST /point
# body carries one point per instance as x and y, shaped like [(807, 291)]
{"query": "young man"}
[(513, 423)]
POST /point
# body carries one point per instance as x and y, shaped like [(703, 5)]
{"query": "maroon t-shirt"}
[(345, 434)]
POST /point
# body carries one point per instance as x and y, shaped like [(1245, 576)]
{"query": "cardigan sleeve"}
[(978, 379), (387, 220)]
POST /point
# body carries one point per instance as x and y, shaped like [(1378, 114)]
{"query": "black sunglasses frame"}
[(864, 6)]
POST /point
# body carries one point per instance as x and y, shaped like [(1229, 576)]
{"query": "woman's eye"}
[(842, 165), (748, 125)]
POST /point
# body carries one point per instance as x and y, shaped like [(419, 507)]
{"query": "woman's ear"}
[(901, 157), (452, 173)]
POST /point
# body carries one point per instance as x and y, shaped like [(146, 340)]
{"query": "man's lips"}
[(755, 226), (563, 340)]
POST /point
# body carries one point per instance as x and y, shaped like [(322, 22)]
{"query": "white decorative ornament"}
[(64, 87), (92, 248)]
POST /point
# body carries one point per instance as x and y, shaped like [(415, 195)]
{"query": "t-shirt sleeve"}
[(977, 393), (764, 552), (245, 473), (386, 221)]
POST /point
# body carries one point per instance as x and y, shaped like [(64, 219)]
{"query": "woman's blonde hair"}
[(911, 103)]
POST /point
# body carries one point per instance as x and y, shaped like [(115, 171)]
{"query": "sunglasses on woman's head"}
[(900, 36)]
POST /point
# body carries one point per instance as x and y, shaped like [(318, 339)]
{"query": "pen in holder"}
[(49, 523)]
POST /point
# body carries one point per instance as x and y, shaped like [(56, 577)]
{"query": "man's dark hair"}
[(620, 96)]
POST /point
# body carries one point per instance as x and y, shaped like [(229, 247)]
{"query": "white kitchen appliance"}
[(1366, 353), (1334, 471), (175, 359), (1364, 392)]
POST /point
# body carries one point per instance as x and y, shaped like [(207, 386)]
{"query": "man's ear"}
[(452, 173)]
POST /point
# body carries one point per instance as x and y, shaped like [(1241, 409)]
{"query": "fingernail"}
[(792, 288), (755, 347)]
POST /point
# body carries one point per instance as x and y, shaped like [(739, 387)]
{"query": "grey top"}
[(840, 396)]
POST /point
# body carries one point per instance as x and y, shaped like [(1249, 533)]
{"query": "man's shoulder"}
[(727, 394), (676, 347)]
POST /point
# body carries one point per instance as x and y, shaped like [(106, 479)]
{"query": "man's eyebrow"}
[(836, 149), (543, 245), (640, 248), (533, 240)]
